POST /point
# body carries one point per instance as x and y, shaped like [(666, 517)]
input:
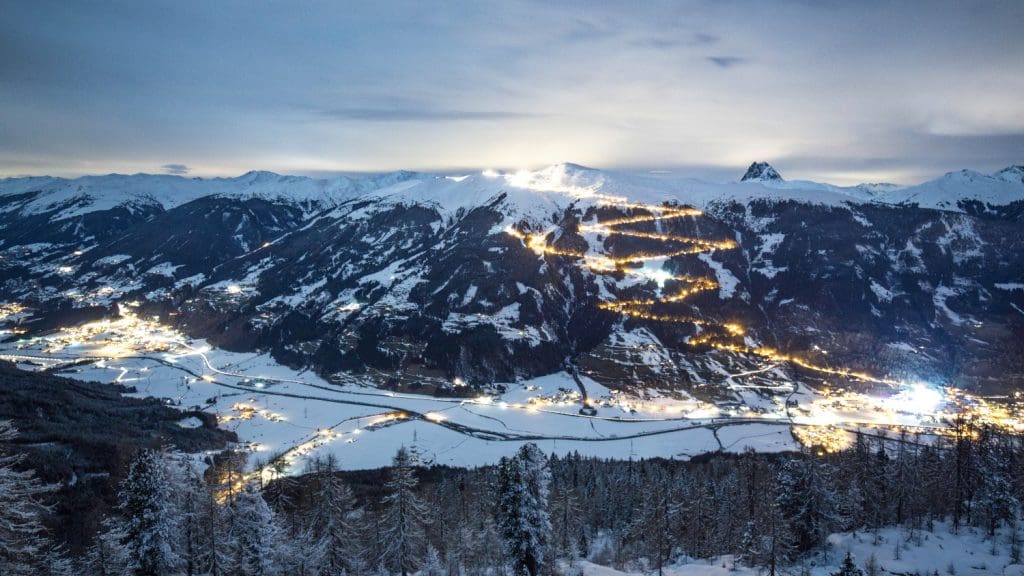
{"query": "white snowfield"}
[(969, 553), (289, 416), (74, 197), (286, 417), (529, 194)]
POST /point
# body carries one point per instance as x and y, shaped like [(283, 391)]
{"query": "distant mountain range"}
[(423, 280)]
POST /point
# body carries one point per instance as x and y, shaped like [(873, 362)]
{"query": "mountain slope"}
[(420, 280)]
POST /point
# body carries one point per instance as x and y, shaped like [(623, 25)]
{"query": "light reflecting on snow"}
[(293, 416), (918, 398)]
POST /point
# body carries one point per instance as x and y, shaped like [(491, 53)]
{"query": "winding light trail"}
[(674, 245)]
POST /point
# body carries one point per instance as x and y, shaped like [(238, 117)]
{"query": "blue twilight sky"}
[(829, 90)]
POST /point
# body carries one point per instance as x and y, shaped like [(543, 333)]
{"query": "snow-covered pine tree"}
[(767, 541), (483, 551), (106, 555), (848, 568), (215, 533), (728, 518), (370, 527), (432, 565), (57, 563), (963, 468), (565, 520), (995, 501), (936, 474), (855, 473), (404, 539), (330, 535), (877, 490), (902, 479), (24, 547), (254, 538), (651, 524), (444, 519), (190, 495), (807, 501), (696, 516), (523, 510), (277, 490), (151, 521)]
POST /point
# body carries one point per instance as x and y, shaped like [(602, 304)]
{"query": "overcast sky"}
[(827, 90)]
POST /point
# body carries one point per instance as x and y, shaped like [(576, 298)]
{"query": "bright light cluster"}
[(248, 411), (113, 338), (826, 439), (10, 309)]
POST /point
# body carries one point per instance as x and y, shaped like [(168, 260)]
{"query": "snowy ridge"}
[(530, 195), (70, 198), (536, 193), (999, 189)]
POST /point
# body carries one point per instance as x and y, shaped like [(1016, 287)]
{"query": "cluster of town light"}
[(126, 335), (9, 309), (247, 411), (9, 314)]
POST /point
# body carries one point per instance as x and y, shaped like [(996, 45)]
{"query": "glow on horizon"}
[(838, 93), (725, 173)]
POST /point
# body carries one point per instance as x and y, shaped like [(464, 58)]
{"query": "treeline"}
[(536, 514)]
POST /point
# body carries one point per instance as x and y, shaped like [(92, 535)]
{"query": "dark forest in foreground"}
[(531, 514)]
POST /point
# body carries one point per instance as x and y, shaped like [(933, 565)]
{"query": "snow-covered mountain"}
[(61, 198), (964, 190), (414, 279), (761, 171)]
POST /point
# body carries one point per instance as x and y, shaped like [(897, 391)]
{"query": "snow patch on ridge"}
[(727, 282)]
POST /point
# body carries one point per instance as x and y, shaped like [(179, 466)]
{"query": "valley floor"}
[(283, 416)]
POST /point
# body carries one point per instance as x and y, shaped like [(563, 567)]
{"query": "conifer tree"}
[(331, 536), (432, 565), (652, 523), (522, 510), (24, 546), (566, 520), (151, 521), (806, 501), (106, 555), (848, 568), (404, 518), (996, 501), (189, 495), (254, 538)]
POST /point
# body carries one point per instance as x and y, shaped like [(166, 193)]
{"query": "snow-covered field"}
[(282, 413), (285, 415), (925, 552)]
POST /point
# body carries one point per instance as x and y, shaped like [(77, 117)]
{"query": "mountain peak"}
[(576, 167), (761, 171), (253, 176), (1011, 173)]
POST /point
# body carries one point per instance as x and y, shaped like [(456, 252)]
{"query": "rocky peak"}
[(1011, 173), (761, 171)]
